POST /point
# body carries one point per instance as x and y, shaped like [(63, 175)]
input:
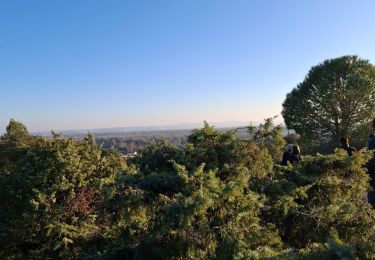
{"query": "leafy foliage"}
[(220, 197), (50, 191), (337, 98)]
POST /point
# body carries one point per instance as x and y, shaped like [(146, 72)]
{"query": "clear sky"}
[(90, 64)]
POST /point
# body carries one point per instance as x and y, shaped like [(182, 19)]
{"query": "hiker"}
[(371, 142), (292, 154), (371, 170), (344, 144)]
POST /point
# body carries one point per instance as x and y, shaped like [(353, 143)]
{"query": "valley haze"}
[(151, 128)]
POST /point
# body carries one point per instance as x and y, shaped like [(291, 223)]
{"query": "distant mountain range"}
[(116, 130)]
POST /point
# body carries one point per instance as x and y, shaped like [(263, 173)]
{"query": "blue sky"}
[(92, 64)]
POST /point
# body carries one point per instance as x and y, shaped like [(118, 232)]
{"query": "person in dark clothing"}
[(371, 142), (288, 151), (344, 144), (371, 170), (292, 155)]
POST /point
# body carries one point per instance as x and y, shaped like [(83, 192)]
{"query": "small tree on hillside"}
[(337, 98)]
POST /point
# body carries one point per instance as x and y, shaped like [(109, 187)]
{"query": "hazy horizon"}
[(176, 126), (93, 64)]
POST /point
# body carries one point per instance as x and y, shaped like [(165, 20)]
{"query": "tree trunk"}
[(337, 129)]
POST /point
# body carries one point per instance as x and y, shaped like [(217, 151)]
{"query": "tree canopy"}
[(337, 98), (219, 197)]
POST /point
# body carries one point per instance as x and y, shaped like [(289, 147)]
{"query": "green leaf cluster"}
[(217, 198), (337, 98)]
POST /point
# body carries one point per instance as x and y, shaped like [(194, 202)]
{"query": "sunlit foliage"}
[(220, 197)]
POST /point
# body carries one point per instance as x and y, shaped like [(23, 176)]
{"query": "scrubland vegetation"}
[(216, 195), (219, 197)]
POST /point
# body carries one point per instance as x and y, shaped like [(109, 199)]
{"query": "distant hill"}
[(136, 129), (130, 139)]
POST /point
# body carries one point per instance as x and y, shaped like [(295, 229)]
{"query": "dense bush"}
[(50, 192), (217, 198)]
